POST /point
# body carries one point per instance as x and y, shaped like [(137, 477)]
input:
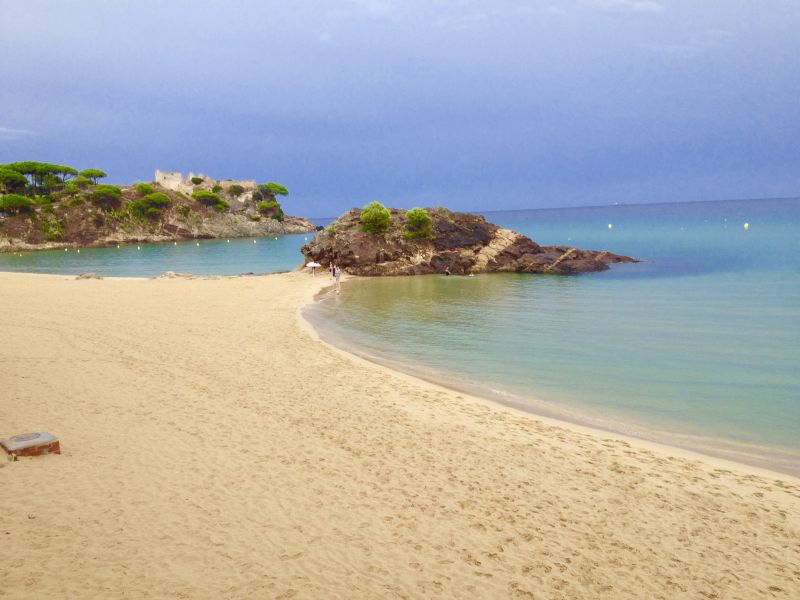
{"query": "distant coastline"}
[(45, 206)]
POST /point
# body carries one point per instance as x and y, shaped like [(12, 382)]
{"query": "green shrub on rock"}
[(254, 216), (375, 218), (106, 196), (15, 204), (74, 202), (265, 207), (216, 189), (52, 229), (144, 188), (205, 197), (271, 209), (151, 206), (183, 210), (418, 224), (211, 199), (236, 190), (197, 180), (70, 189)]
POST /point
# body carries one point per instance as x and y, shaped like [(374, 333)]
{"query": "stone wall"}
[(173, 180)]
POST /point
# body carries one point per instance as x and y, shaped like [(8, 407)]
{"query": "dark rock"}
[(461, 244)]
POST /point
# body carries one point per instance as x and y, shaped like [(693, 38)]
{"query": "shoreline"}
[(483, 394), (213, 446), (8, 246), (666, 443)]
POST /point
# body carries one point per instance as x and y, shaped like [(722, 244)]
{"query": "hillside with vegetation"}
[(43, 205)]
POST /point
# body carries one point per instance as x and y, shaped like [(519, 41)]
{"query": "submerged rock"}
[(461, 243)]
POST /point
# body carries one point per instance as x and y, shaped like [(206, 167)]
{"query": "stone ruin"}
[(175, 181)]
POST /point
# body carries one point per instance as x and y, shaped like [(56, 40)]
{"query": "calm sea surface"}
[(698, 346), (202, 257)]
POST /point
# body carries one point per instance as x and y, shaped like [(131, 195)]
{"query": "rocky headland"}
[(457, 243), (138, 215)]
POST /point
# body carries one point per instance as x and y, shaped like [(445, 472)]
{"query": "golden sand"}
[(214, 448)]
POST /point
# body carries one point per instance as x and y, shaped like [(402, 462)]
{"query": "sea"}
[(696, 346), (235, 256)]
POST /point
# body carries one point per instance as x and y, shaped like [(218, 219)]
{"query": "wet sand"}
[(214, 448)]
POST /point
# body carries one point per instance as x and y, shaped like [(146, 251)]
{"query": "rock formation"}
[(461, 243), (75, 221)]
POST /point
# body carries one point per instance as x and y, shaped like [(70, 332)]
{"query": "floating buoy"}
[(198, 243), (305, 238), (254, 241), (65, 250), (79, 250), (610, 226), (174, 243), (746, 226), (228, 241), (276, 238), (118, 246), (138, 247)]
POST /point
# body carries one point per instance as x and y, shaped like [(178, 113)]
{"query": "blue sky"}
[(469, 104)]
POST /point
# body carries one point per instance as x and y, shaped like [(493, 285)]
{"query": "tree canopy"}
[(41, 177), (93, 174), (375, 218), (14, 203), (151, 205), (210, 199), (236, 190), (106, 196), (418, 224), (276, 189), (11, 180)]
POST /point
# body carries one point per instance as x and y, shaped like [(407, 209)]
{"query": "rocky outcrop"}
[(461, 243), (71, 223)]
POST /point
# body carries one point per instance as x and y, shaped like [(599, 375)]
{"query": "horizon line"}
[(582, 206)]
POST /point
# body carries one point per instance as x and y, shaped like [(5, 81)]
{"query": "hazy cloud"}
[(378, 8), (696, 44), (629, 6), (10, 134)]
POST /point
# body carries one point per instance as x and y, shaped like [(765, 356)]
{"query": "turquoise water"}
[(201, 257), (698, 346)]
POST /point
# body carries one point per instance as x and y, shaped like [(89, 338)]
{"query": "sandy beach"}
[(213, 447)]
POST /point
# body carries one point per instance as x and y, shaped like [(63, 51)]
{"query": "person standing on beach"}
[(337, 274)]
